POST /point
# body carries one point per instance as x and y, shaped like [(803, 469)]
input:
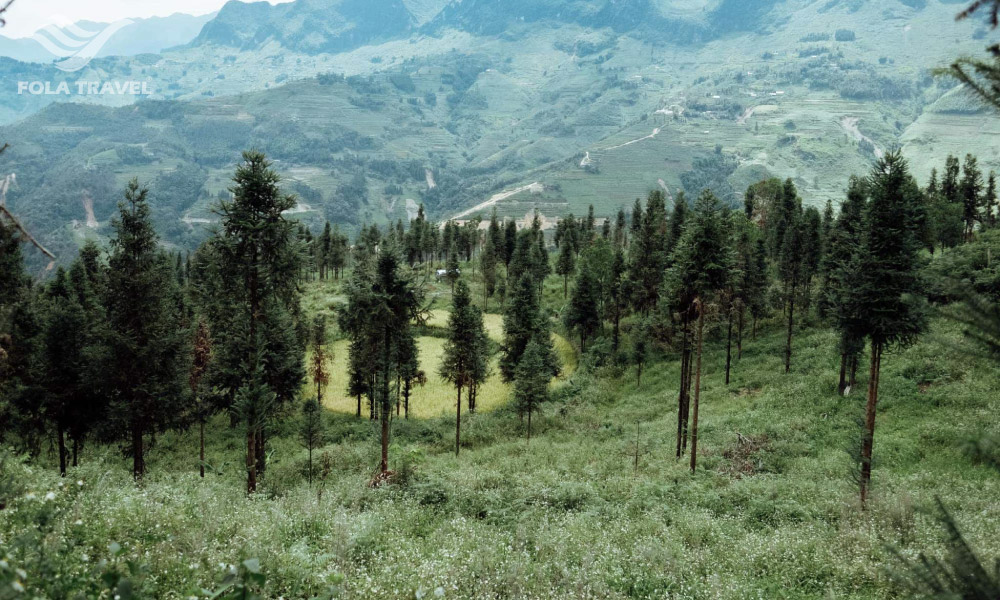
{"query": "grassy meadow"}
[(596, 506)]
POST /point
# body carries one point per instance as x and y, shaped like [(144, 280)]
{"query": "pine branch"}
[(993, 11), (4, 21)]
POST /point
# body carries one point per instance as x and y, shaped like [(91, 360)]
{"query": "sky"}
[(26, 16)]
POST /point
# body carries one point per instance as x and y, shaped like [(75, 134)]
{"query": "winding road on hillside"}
[(535, 188), (850, 125)]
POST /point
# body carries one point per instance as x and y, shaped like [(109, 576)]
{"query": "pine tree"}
[(463, 361), (311, 431), (566, 265), (889, 282), (531, 383), (318, 370), (971, 190), (202, 358), (990, 207), (145, 349), (381, 304), (841, 263), (255, 308), (701, 270), (583, 313), (791, 270), (648, 255), (488, 266), (617, 296), (64, 355)]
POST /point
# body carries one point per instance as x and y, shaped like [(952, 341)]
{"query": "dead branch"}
[(24, 232)]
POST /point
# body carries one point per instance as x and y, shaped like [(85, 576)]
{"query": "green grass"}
[(567, 515)]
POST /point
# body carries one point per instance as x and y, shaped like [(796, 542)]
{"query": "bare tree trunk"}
[(854, 372), (76, 450), (359, 406), (384, 464), (261, 450), (201, 453), (138, 464), (458, 420), (842, 385), (251, 460), (683, 387), (739, 334), (867, 442), (791, 325), (61, 434), (697, 389), (729, 345)]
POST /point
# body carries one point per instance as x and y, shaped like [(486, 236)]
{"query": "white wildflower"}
[(50, 496), (17, 587)]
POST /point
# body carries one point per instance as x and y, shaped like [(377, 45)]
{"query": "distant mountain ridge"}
[(144, 36), (307, 26)]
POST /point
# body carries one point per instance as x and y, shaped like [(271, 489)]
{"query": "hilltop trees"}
[(464, 360), (144, 340), (888, 285)]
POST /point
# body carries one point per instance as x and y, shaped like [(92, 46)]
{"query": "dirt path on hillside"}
[(534, 188), (88, 208), (655, 133), (850, 125), (586, 160), (431, 184), (746, 116)]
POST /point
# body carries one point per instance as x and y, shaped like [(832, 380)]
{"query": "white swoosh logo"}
[(77, 46)]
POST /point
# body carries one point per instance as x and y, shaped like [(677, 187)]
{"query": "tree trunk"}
[(201, 453), (638, 374), (842, 385), (60, 433), (261, 450), (616, 332), (729, 345), (739, 333), (681, 397), (458, 421), (697, 389), (310, 465), (867, 442), (565, 286), (791, 324), (76, 450), (854, 372), (138, 464), (384, 464), (529, 423), (251, 460)]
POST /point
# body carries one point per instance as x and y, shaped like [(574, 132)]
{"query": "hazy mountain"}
[(554, 105), (143, 36), (309, 26)]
